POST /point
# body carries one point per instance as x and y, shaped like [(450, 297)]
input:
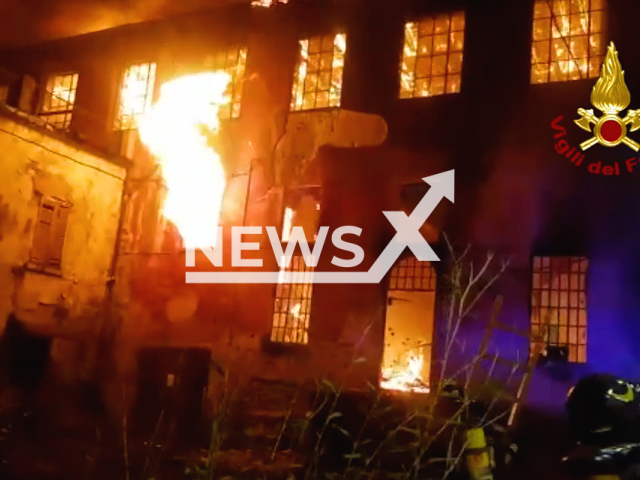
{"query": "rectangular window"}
[(432, 56), (318, 78), (559, 303), (136, 94), (568, 40), (234, 63), (292, 305), (58, 99), (409, 321), (49, 233)]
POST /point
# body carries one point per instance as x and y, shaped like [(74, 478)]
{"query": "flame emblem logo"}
[(610, 95)]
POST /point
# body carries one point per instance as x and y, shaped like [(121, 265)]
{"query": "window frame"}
[(117, 123), (603, 32), (44, 93), (417, 19), (236, 83), (409, 260), (297, 253), (532, 292), (297, 90), (274, 338)]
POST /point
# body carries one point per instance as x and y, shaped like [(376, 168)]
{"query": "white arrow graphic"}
[(407, 235), (408, 227)]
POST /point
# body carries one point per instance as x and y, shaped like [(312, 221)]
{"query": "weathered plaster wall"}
[(63, 306)]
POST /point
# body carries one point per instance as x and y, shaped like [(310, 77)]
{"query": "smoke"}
[(516, 203), (27, 22)]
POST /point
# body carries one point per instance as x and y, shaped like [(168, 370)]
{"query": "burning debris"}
[(406, 376), (177, 130)]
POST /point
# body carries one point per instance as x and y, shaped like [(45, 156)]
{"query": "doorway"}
[(409, 320)]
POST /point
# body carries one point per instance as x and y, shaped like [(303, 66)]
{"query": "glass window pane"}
[(559, 302), (438, 42), (319, 74), (573, 33)]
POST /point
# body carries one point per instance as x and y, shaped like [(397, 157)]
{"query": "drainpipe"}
[(111, 277), (246, 198)]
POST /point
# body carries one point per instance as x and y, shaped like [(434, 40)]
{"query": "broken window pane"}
[(567, 40)]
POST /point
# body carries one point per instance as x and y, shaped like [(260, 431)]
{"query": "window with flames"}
[(292, 304), (136, 94), (232, 60), (568, 40), (432, 56), (409, 322), (58, 100), (317, 81), (559, 304)]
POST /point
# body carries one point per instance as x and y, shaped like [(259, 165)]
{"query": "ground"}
[(61, 432)]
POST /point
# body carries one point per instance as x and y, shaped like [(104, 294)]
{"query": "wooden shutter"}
[(49, 234), (58, 232), (42, 233)]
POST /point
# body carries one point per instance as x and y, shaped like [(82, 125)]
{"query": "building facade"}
[(61, 209), (337, 112)]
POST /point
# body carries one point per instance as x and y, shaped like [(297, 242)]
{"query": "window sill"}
[(315, 110)]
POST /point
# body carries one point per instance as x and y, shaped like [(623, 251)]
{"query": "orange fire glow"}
[(405, 376), (177, 130), (267, 3)]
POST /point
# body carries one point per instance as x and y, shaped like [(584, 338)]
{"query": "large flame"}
[(406, 376), (177, 130), (610, 93)]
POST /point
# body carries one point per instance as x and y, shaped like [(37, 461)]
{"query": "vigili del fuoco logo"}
[(610, 96)]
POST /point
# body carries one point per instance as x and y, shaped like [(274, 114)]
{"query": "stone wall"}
[(64, 304)]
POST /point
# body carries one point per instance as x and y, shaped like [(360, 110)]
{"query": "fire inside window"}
[(234, 63), (302, 210), (58, 100), (559, 303), (409, 322), (292, 305), (318, 77), (135, 95), (568, 40), (49, 234), (432, 56)]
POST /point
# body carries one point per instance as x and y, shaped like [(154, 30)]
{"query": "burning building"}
[(309, 114)]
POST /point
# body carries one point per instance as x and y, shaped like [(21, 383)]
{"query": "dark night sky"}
[(29, 21)]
